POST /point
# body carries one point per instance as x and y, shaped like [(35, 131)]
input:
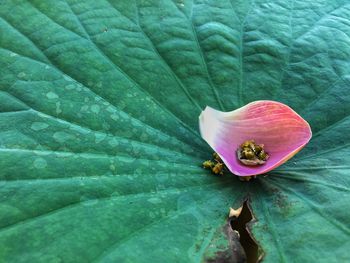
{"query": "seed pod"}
[(263, 156), (248, 154), (252, 154), (247, 143), (257, 149)]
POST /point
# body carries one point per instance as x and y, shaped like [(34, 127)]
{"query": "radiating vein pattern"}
[(100, 155)]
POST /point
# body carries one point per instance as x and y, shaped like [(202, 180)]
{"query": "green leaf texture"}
[(100, 155)]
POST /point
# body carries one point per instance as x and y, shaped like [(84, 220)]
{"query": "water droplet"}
[(58, 108), (144, 136), (37, 126), (40, 163), (99, 137), (152, 215), (79, 130), (113, 142), (88, 200), (51, 95), (70, 86), (67, 78), (84, 108), (13, 54), (106, 126), (154, 200), (95, 108), (110, 109), (115, 117), (122, 105), (115, 195), (62, 136), (21, 75)]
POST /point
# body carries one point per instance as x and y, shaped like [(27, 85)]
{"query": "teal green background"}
[(100, 155)]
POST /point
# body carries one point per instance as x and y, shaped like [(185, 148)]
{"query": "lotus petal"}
[(277, 126)]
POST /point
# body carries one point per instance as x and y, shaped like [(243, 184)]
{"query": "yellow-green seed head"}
[(257, 149), (247, 143), (248, 154), (262, 155), (217, 157), (208, 164), (218, 168)]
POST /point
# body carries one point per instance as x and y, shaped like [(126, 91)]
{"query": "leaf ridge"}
[(204, 62), (155, 50), (130, 79)]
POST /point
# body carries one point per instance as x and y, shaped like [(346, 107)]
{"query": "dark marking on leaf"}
[(241, 224), (242, 246), (235, 252), (281, 201)]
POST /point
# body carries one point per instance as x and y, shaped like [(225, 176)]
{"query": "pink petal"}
[(278, 127)]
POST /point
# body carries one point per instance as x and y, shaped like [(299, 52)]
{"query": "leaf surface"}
[(100, 155)]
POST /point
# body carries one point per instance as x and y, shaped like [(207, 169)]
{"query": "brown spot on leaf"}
[(240, 224), (242, 247), (235, 252), (282, 202)]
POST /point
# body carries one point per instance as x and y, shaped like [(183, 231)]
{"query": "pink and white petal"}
[(277, 126)]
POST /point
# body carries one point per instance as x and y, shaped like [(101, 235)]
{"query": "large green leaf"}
[(99, 147)]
